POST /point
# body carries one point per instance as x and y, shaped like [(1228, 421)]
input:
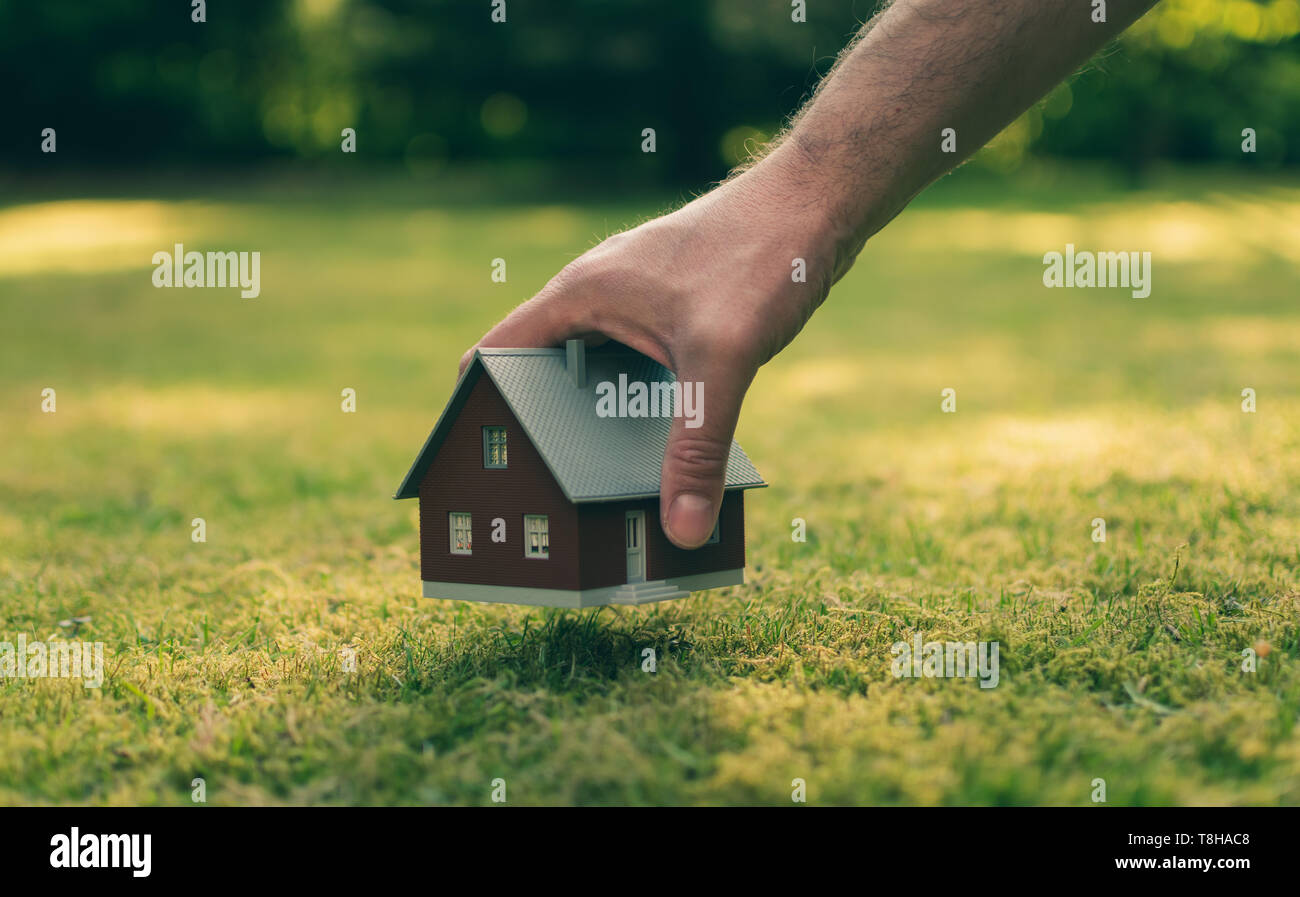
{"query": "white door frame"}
[(634, 544)]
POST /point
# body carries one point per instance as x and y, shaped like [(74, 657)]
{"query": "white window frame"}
[(468, 529), (487, 448), (543, 532)]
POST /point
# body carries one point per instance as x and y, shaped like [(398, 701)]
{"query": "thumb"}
[(560, 311), (695, 459), (540, 322)]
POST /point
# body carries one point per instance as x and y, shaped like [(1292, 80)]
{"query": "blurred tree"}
[(1181, 84), (432, 82)]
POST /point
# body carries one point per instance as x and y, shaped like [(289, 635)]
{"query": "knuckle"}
[(699, 460), (732, 337), (613, 242), (612, 264), (574, 280), (575, 273), (593, 274)]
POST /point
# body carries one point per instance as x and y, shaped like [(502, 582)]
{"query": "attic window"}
[(537, 536), (494, 448), (461, 537)]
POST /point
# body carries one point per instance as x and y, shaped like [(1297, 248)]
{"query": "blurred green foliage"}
[(574, 82)]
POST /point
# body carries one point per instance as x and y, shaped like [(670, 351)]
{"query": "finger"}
[(537, 323), (559, 312), (699, 444)]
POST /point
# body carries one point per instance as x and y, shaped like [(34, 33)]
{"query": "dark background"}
[(135, 85)]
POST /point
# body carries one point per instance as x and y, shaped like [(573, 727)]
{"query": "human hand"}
[(708, 292)]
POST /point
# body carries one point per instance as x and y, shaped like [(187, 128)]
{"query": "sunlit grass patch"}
[(229, 659)]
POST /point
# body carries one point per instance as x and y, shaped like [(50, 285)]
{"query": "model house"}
[(532, 492)]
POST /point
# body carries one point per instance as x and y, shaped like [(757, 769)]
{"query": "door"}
[(635, 538)]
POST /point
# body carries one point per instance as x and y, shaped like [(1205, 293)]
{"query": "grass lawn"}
[(1120, 660)]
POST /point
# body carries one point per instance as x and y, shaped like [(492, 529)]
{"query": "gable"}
[(457, 466), (460, 395)]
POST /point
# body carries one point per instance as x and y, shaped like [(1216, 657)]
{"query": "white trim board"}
[(575, 598)]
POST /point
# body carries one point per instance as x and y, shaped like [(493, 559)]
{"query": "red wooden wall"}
[(457, 481)]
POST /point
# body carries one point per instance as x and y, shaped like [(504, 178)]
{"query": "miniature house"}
[(529, 496)]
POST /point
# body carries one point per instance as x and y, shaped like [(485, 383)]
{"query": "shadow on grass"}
[(582, 653)]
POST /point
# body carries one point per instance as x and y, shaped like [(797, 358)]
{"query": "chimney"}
[(575, 362)]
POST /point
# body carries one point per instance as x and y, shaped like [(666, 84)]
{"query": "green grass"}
[(1119, 660)]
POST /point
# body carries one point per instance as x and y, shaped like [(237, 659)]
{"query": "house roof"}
[(592, 458)]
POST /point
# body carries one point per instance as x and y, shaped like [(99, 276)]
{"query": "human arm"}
[(707, 289)]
